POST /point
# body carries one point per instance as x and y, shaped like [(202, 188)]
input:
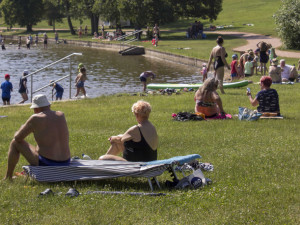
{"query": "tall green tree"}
[(287, 19), (53, 12), (22, 12)]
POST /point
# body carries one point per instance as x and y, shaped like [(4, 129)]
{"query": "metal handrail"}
[(31, 77), (122, 38), (127, 35)]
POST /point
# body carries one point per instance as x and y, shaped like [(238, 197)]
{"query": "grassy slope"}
[(256, 175)]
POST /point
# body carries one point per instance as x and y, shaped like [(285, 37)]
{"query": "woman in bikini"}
[(207, 99), (139, 143), (219, 55)]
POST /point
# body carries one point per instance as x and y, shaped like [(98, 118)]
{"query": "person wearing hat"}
[(58, 88), (80, 65), (7, 88), (275, 71), (23, 87), (234, 67), (51, 134)]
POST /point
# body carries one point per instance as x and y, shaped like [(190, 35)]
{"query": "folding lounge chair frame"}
[(104, 169)]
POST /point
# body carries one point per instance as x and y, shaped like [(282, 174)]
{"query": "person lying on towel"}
[(51, 134), (139, 143), (208, 100), (267, 99)]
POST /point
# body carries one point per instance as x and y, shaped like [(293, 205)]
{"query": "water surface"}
[(107, 71)]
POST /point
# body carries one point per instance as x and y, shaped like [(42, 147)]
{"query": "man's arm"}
[(24, 131)]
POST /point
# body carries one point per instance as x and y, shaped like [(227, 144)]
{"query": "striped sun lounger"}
[(80, 170)]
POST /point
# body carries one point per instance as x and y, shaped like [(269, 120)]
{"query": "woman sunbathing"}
[(138, 143), (207, 99)]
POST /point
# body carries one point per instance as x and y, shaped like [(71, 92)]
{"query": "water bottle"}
[(86, 157)]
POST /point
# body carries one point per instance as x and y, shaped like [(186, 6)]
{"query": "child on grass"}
[(234, 67), (204, 72), (248, 67)]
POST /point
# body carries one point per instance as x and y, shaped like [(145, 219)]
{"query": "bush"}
[(287, 19)]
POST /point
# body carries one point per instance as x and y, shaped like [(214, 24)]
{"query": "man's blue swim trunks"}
[(48, 162)]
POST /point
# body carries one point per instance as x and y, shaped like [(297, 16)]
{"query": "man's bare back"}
[(51, 134)]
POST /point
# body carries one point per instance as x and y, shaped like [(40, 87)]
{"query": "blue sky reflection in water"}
[(107, 71)]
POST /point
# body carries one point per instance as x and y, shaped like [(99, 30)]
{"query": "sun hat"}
[(274, 62), (6, 76), (204, 64), (39, 101), (51, 82), (80, 65)]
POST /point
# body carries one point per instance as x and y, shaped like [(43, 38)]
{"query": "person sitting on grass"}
[(208, 100), (139, 143), (58, 88), (51, 134), (275, 71), (288, 72), (267, 99)]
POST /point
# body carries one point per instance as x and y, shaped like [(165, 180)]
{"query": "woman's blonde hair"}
[(209, 85), (141, 108)]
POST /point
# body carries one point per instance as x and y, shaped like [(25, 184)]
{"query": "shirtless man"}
[(51, 134)]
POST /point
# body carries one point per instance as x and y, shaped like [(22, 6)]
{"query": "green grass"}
[(256, 178), (238, 13)]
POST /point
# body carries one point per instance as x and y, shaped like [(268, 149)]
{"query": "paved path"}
[(253, 39)]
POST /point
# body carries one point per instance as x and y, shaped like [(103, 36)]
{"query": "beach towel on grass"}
[(103, 169)]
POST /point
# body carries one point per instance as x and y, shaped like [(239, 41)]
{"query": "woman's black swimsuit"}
[(219, 62), (139, 151)]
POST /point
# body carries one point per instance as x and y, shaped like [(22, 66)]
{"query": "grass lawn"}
[(239, 13), (256, 176)]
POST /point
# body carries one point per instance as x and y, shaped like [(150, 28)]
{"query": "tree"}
[(53, 12), (287, 19), (23, 12)]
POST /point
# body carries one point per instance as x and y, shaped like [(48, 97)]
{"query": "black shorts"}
[(143, 79), (6, 99), (45, 42)]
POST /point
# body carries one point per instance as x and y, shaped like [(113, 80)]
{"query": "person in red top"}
[(234, 68)]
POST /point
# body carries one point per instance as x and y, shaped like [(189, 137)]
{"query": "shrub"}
[(287, 19)]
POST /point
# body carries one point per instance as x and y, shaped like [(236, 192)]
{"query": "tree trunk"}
[(71, 26), (29, 28), (53, 25), (96, 23), (92, 25)]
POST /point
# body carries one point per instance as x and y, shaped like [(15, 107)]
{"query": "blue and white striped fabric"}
[(101, 169)]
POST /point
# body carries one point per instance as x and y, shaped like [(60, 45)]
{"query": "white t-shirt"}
[(286, 71)]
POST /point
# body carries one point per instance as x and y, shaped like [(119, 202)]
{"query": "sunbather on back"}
[(51, 135), (139, 143)]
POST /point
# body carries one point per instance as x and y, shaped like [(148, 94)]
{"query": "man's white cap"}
[(39, 101), (282, 60)]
